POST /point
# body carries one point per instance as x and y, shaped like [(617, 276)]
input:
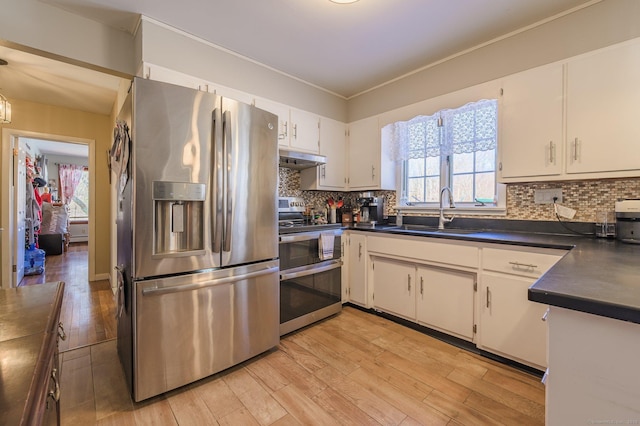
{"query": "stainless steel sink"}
[(432, 230)]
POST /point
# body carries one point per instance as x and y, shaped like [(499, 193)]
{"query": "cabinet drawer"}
[(527, 262)]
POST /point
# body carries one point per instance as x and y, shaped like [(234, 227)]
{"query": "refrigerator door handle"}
[(155, 291), (228, 143), (217, 177)]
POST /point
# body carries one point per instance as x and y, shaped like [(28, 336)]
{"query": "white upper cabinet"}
[(230, 93), (297, 130), (166, 75), (332, 175), (603, 100), (531, 138), (369, 164)]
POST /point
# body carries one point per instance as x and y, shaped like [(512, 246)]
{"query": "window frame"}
[(446, 179), (85, 176)]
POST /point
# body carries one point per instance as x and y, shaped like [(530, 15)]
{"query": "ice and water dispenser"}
[(178, 217)]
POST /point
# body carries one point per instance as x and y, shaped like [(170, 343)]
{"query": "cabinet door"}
[(166, 75), (510, 324), (531, 123), (332, 175), (603, 98), (282, 111), (230, 93), (364, 154), (332, 145), (357, 269), (305, 131), (445, 300), (394, 287)]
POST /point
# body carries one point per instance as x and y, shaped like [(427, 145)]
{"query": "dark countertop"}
[(27, 316), (596, 276)]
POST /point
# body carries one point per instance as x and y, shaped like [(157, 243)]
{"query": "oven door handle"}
[(304, 236), (315, 270)]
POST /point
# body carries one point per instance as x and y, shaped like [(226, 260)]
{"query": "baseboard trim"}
[(100, 277)]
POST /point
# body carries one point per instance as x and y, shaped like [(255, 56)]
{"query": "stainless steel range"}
[(310, 267)]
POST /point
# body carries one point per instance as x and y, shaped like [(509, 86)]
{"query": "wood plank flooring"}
[(88, 308), (352, 369)]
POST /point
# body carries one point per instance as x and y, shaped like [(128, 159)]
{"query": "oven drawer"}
[(308, 290)]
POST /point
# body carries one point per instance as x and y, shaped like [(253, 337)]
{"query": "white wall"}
[(175, 50), (50, 31)]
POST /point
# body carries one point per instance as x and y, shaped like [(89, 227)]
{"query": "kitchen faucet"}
[(443, 219)]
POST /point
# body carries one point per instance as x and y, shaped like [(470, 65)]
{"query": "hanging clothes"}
[(33, 215)]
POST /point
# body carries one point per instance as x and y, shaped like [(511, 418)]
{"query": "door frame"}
[(9, 141)]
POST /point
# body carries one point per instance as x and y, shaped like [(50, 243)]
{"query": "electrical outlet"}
[(546, 196)]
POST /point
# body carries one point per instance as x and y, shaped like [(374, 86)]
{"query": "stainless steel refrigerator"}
[(197, 250)]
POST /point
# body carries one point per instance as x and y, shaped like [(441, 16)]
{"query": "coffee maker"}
[(372, 209)]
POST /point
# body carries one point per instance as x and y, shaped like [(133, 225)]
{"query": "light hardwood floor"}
[(88, 308), (355, 368)]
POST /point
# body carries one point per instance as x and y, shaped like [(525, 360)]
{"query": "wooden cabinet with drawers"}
[(31, 327)]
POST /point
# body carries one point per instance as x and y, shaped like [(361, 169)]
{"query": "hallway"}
[(88, 309)]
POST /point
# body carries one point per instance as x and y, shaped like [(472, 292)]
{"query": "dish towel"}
[(325, 245)]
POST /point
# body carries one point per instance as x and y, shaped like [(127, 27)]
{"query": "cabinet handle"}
[(574, 144), (324, 172), (546, 314), (523, 265), (409, 282), (488, 296), (295, 131), (373, 172), (61, 332), (286, 129), (421, 285), (55, 393), (359, 251), (551, 152)]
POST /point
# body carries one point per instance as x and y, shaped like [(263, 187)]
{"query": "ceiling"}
[(345, 49), (58, 148)]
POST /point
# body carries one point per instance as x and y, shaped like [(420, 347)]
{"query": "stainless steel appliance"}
[(372, 209), (300, 160), (197, 249), (628, 221), (310, 281)]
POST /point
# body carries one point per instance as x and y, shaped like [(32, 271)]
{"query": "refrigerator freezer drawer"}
[(191, 326)]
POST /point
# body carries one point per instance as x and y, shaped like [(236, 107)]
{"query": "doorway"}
[(60, 230), (12, 234)]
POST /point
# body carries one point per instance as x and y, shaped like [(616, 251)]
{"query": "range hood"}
[(300, 160)]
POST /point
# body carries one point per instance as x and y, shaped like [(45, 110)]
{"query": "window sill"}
[(463, 211)]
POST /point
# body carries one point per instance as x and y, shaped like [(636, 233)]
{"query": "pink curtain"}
[(69, 177)]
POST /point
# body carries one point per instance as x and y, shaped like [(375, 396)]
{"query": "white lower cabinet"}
[(511, 325), (394, 286), (357, 269), (445, 300), (473, 291)]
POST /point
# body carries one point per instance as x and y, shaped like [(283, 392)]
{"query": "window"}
[(454, 148), (79, 205)]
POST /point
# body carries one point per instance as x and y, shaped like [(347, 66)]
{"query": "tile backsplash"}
[(289, 186), (585, 196)]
